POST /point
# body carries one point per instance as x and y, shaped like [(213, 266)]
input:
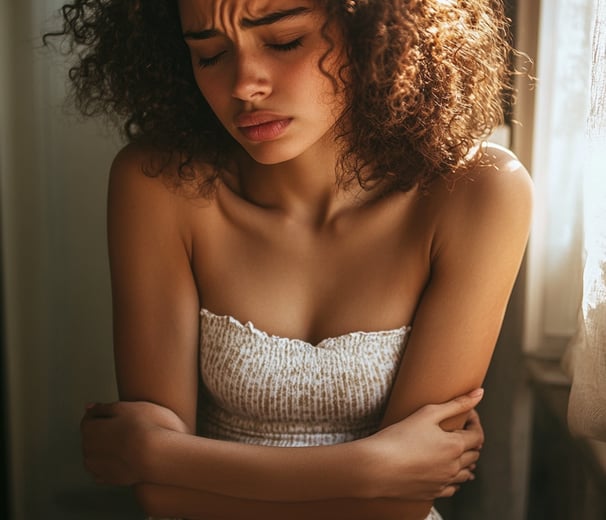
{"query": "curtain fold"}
[(585, 359), (554, 272)]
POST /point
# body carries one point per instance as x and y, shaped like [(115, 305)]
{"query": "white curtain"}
[(586, 356), (566, 275), (554, 273)]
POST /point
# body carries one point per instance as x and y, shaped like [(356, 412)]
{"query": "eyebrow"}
[(248, 23)]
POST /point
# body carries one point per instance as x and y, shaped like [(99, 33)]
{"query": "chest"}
[(337, 389), (362, 274)]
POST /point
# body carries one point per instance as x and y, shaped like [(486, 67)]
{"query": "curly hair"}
[(424, 84)]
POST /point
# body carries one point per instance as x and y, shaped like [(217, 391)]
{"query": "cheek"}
[(323, 72), (214, 94), (324, 90), (309, 81)]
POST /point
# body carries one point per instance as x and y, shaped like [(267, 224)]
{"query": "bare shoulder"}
[(143, 177), (499, 184), (143, 208), (492, 201), (128, 175), (500, 172)]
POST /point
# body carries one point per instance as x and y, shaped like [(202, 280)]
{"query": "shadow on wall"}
[(56, 296)]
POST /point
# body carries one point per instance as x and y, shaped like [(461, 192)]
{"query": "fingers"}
[(448, 491), (100, 410), (469, 458), (467, 464), (471, 439), (94, 427), (463, 476), (459, 405), (472, 436), (473, 419), (473, 422)]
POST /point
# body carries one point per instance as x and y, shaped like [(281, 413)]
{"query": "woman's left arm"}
[(477, 249)]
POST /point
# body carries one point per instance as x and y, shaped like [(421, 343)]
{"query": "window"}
[(566, 269)]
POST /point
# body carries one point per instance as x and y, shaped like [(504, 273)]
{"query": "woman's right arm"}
[(156, 328), (166, 501), (420, 433)]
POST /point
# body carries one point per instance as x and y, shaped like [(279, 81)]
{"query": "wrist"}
[(385, 472), (367, 466)]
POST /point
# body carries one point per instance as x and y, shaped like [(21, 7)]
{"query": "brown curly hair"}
[(426, 83)]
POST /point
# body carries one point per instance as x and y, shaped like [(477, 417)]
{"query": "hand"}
[(115, 436), (417, 460)]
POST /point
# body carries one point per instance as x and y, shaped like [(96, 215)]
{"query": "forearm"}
[(259, 472), (171, 502)]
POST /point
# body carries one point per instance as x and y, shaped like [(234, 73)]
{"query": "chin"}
[(272, 153)]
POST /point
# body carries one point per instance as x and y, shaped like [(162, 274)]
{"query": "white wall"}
[(53, 171)]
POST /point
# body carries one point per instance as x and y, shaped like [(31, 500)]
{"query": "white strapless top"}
[(263, 389)]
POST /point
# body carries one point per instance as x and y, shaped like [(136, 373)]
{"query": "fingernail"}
[(478, 392)]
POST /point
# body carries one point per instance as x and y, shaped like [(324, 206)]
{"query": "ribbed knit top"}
[(263, 389)]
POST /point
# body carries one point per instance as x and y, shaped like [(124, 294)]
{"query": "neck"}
[(303, 189)]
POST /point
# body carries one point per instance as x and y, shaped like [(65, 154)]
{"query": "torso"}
[(337, 388), (441, 261), (364, 271)]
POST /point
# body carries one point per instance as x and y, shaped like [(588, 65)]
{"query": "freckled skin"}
[(259, 77)]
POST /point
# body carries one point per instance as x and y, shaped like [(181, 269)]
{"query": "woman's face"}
[(257, 64)]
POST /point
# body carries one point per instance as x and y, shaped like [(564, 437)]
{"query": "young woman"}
[(309, 243)]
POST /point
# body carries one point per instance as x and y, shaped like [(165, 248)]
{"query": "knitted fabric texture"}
[(269, 390)]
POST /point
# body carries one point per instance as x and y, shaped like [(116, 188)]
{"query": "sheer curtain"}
[(566, 273), (586, 356)]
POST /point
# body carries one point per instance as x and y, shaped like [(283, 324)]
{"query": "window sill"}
[(552, 388)]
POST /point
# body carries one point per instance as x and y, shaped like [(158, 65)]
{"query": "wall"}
[(4, 40), (53, 171)]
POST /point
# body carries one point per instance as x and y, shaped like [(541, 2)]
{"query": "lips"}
[(261, 126), (246, 119)]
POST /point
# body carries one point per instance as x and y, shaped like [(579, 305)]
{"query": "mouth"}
[(257, 117), (261, 126)]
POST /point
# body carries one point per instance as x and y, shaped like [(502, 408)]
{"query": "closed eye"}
[(208, 62), (285, 47), (281, 47)]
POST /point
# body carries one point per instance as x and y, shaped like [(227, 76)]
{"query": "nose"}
[(252, 80)]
